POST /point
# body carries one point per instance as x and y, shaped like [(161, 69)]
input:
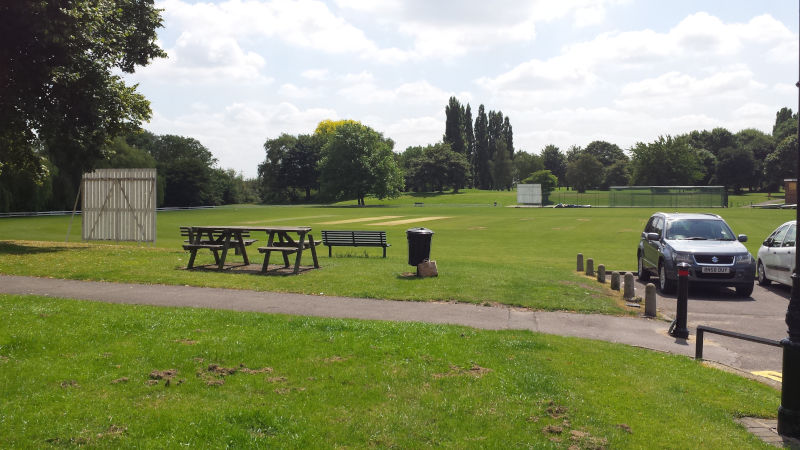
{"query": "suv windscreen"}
[(699, 229)]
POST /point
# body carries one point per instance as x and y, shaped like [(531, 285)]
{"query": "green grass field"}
[(83, 374), (515, 256)]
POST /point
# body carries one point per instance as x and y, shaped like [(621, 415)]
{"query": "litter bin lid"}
[(419, 230)]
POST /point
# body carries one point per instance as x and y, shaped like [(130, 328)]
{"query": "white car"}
[(776, 256)]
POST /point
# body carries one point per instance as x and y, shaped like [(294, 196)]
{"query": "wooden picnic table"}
[(279, 239)]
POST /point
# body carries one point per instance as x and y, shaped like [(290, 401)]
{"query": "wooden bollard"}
[(589, 267), (580, 262), (615, 281), (628, 291), (601, 273), (650, 300)]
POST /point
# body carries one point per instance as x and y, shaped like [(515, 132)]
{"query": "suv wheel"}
[(745, 290), (665, 285), (762, 276), (643, 274)]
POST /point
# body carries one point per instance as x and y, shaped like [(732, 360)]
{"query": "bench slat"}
[(277, 249)]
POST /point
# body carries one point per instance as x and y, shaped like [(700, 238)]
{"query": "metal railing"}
[(702, 329)]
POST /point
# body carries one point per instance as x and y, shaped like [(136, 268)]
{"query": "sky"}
[(565, 72)]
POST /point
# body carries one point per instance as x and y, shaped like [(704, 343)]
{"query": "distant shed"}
[(790, 187)]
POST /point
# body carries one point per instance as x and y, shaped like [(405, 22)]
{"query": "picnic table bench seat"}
[(354, 238)]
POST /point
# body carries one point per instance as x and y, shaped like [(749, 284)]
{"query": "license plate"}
[(716, 270)]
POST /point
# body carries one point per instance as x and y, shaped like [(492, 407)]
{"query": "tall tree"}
[(358, 161), (187, 166), (735, 168), (454, 126), (508, 136), (526, 164), (57, 81), (785, 125), (584, 172), (760, 145), (555, 162), (665, 162), (782, 163), (502, 168), (482, 170), (605, 152), (469, 138)]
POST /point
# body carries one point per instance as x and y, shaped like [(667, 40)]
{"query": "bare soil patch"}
[(405, 221), (362, 219)]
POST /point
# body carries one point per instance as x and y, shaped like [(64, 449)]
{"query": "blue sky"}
[(566, 72)]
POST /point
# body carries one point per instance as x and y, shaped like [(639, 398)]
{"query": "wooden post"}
[(580, 262), (590, 267), (601, 273)]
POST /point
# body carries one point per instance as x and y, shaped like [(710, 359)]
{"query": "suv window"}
[(699, 229), (649, 227), (658, 225)]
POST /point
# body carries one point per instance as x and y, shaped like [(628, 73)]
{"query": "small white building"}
[(529, 194)]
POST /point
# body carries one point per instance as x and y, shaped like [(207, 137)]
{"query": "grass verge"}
[(76, 373)]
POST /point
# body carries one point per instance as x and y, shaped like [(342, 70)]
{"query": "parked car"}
[(776, 255), (715, 255)]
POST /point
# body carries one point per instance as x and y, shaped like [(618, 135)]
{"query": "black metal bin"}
[(419, 245)]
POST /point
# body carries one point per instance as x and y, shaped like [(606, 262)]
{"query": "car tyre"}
[(762, 276), (745, 290), (665, 285), (643, 274)]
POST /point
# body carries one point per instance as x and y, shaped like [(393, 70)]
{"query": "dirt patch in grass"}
[(335, 359), (163, 374), (363, 219), (167, 375), (112, 431), (405, 221), (120, 380), (214, 374), (456, 371), (70, 384), (477, 228), (4, 359), (186, 341)]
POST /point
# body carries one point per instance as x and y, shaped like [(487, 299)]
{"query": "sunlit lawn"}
[(75, 374), (516, 256)]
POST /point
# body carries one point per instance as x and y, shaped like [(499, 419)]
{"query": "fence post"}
[(628, 292), (615, 281), (580, 262), (589, 267), (650, 300), (678, 328), (601, 273), (698, 346)]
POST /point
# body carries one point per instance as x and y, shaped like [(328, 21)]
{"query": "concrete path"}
[(640, 332)]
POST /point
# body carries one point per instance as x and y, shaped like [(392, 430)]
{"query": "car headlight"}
[(744, 259), (683, 258)]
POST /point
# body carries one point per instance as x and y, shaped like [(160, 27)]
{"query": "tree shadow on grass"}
[(10, 248)]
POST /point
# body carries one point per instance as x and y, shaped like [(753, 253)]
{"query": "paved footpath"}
[(635, 331)]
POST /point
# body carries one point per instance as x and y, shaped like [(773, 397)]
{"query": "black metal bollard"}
[(678, 328)]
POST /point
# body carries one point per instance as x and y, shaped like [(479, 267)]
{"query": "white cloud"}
[(316, 74), (203, 59), (236, 133)]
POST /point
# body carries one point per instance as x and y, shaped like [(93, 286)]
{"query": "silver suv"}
[(714, 254)]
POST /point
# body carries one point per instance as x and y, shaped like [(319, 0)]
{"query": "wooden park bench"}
[(354, 239)]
